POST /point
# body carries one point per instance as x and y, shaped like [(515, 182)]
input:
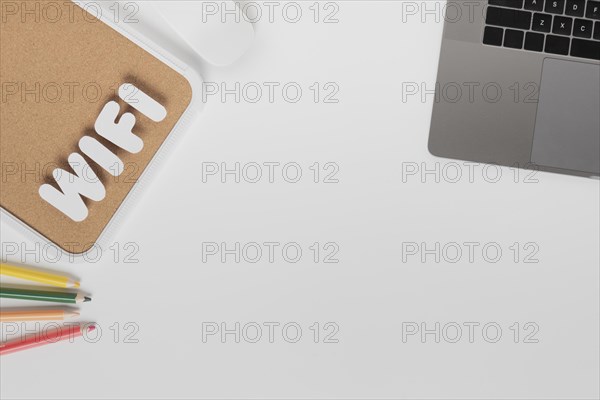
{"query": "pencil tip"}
[(76, 284), (87, 299)]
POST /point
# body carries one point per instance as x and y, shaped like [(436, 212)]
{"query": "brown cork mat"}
[(56, 75)]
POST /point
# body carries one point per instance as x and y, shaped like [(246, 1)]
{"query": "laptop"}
[(519, 85)]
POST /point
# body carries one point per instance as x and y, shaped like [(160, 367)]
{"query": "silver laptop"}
[(519, 85)]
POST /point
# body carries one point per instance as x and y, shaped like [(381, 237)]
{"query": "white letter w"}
[(84, 183)]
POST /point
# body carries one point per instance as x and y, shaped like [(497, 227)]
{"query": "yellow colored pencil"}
[(37, 315), (34, 275)]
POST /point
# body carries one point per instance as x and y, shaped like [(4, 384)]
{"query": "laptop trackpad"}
[(567, 128)]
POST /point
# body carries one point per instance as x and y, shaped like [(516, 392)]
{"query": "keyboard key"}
[(534, 5), (555, 6), (513, 39), (575, 8), (493, 36), (583, 28), (509, 18), (562, 26), (542, 22), (534, 41), (506, 3), (557, 45), (593, 9), (585, 49), (597, 31)]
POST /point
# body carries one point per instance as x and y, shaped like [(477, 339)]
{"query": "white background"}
[(372, 135)]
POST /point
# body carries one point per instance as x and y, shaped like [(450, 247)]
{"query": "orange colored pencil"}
[(54, 336), (36, 315)]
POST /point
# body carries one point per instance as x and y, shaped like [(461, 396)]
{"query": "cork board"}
[(57, 72)]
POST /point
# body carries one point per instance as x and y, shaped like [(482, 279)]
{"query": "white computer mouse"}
[(218, 31)]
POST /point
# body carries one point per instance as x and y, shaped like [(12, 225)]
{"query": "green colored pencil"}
[(43, 295)]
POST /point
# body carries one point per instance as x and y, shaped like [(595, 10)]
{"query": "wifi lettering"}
[(68, 199)]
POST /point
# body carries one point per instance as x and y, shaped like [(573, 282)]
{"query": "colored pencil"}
[(37, 315), (39, 276), (41, 339), (43, 295)]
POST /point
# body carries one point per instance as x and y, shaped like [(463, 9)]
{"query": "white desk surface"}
[(370, 295)]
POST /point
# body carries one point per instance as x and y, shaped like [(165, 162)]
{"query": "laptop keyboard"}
[(565, 27)]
